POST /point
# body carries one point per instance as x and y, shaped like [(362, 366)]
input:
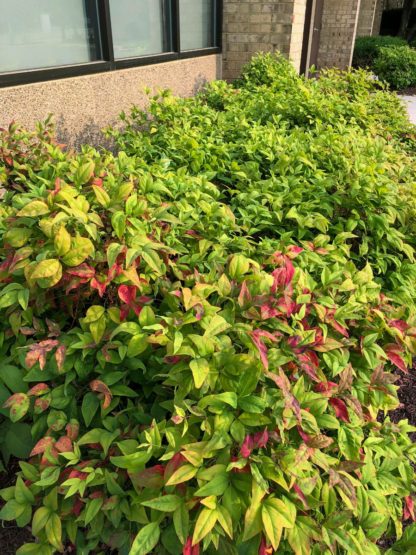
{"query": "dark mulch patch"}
[(410, 91), (11, 537), (407, 396)]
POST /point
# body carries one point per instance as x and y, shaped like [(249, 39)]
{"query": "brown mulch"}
[(410, 91)]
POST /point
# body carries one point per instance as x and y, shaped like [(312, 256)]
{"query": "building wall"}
[(377, 17), (339, 25), (296, 41), (252, 26), (366, 18), (82, 106)]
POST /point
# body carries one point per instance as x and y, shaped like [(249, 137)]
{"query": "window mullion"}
[(106, 32)]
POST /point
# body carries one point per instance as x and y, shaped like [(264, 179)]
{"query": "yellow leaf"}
[(62, 241), (81, 249), (46, 269), (183, 474), (204, 524), (200, 371), (34, 208)]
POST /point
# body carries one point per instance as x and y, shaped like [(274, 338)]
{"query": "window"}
[(197, 24), (140, 27), (47, 33), (51, 39)]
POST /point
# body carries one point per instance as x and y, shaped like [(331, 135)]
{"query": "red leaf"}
[(60, 356), (409, 509), (247, 447), (256, 336), (41, 404), (245, 296), (326, 388), (101, 387), (151, 478), (190, 549), (293, 251), (394, 353), (301, 495), (83, 271), (127, 293), (38, 389), (401, 325), (308, 363), (42, 445), (99, 286), (64, 445), (264, 549), (72, 430), (261, 439), (78, 474), (340, 409)]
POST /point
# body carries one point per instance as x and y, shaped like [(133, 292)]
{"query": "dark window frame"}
[(109, 63)]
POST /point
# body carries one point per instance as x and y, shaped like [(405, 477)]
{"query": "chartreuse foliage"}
[(198, 338)]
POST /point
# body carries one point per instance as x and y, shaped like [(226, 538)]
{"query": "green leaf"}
[(118, 221), (12, 510), (216, 326), (181, 522), (90, 404), (53, 530), (84, 173), (272, 526), (166, 503), (205, 523), (40, 518), (137, 345), (216, 486), (239, 266), (282, 511), (146, 539), (200, 371), (23, 494), (93, 508)]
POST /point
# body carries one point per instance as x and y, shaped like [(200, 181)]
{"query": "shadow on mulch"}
[(407, 410)]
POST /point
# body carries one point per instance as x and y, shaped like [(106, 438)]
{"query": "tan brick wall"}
[(339, 25), (252, 26), (366, 18)]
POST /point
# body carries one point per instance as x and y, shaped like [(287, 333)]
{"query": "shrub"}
[(191, 378), (367, 49), (397, 66)]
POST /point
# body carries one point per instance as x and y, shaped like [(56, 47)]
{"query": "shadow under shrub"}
[(200, 367)]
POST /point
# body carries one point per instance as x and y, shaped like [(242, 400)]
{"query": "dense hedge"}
[(366, 49), (200, 335), (390, 58)]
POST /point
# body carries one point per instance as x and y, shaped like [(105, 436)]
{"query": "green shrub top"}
[(367, 49), (199, 334)]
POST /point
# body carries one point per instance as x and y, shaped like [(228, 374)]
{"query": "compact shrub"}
[(366, 49), (397, 66), (200, 335)]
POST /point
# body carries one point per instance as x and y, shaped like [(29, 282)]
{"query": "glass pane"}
[(197, 24), (140, 28), (46, 33)]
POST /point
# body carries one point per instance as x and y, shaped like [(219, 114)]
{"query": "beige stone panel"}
[(82, 106)]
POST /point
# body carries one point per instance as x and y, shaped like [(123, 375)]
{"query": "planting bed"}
[(203, 337)]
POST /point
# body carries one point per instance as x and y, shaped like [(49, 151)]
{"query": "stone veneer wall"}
[(366, 18), (82, 106), (339, 26), (252, 26)]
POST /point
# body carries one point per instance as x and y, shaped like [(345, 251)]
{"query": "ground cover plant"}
[(201, 334)]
